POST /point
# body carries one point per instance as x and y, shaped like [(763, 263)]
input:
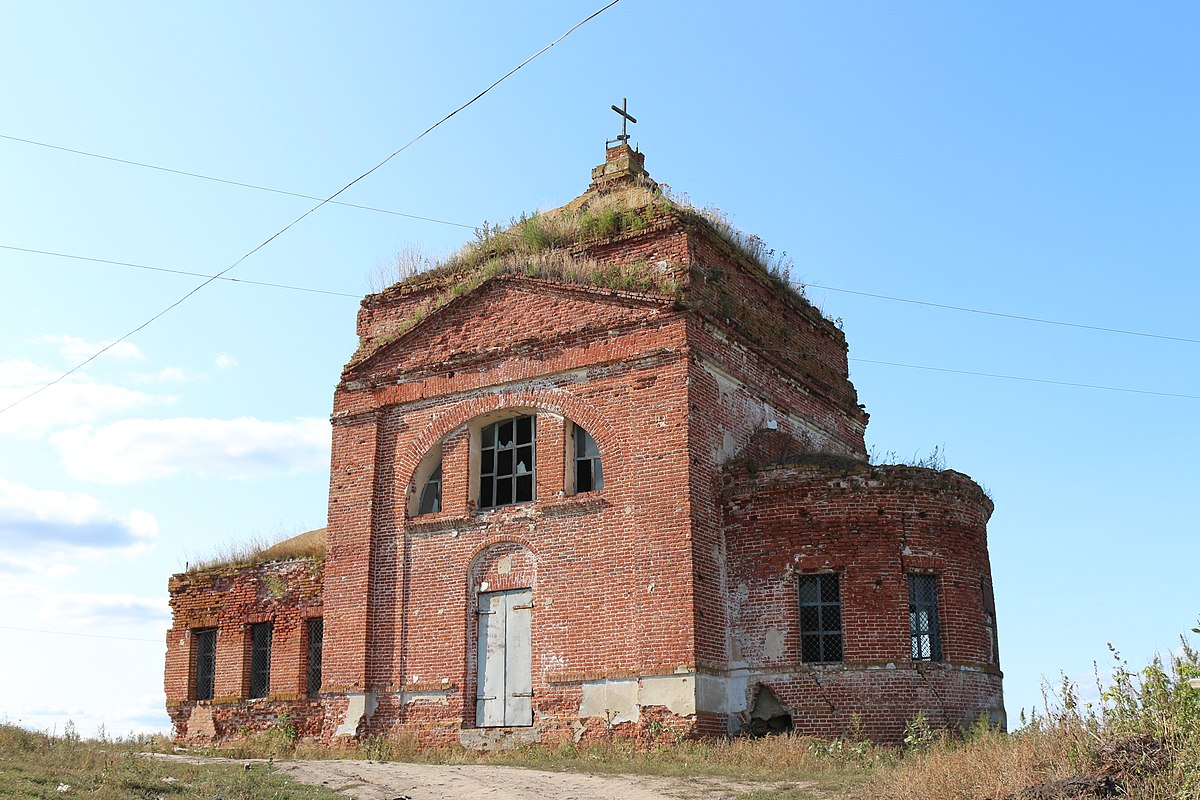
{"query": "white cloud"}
[(38, 520), (172, 375), (79, 610), (137, 450), (72, 401), (36, 564), (76, 349), (225, 361)]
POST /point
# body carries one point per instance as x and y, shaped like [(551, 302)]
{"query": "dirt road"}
[(384, 780)]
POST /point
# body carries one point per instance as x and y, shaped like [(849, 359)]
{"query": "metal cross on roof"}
[(625, 119)]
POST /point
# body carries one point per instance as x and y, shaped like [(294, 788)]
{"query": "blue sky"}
[(1028, 158)]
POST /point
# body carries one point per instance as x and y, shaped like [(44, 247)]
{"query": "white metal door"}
[(505, 692)]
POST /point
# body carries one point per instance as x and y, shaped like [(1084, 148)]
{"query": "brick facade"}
[(664, 603)]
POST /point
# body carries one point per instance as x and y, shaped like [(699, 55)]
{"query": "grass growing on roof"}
[(260, 550)]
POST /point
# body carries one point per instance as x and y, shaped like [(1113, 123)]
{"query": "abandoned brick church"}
[(601, 473)]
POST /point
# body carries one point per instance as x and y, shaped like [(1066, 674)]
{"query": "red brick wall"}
[(673, 574), (872, 526), (230, 599)]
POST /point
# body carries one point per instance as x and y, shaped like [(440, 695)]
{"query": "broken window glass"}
[(820, 618), (507, 462), (431, 494), (588, 475)]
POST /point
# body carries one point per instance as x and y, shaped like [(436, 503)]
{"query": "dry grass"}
[(259, 550), (39, 765), (811, 765), (989, 764)]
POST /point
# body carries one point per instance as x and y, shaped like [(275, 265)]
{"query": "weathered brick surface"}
[(872, 526), (661, 603), (231, 599)]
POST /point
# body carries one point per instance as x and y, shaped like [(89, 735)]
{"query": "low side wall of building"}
[(871, 529), (230, 601)]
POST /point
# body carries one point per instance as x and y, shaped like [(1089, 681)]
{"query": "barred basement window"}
[(923, 618), (820, 619), (506, 463), (431, 494), (589, 477), (260, 659), (204, 643), (316, 642)]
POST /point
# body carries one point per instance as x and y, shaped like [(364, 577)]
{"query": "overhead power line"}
[(86, 635), (310, 211), (1029, 380), (174, 271), (861, 360), (927, 303), (229, 182), (1023, 318)]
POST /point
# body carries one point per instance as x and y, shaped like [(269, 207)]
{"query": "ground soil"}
[(386, 780)]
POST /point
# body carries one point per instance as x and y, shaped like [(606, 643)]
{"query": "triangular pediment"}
[(504, 316)]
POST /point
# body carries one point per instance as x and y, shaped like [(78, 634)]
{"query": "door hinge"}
[(520, 694)]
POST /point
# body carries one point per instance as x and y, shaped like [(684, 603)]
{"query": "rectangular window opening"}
[(260, 659), (820, 618), (588, 475), (923, 618), (316, 642), (507, 463), (989, 622), (204, 642), (431, 494)]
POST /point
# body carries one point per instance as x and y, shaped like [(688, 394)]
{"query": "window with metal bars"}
[(506, 463), (316, 641), (260, 659), (589, 477), (820, 618), (923, 618), (204, 642)]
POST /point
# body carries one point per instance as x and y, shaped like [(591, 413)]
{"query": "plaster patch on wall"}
[(359, 705), (616, 701), (439, 697), (676, 692), (504, 565), (721, 694), (773, 645)]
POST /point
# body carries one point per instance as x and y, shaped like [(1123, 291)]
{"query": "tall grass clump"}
[(1140, 739)]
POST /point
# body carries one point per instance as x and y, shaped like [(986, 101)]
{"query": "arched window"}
[(425, 490), (431, 493), (506, 462), (589, 477)]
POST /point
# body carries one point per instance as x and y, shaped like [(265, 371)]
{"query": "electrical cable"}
[(226, 181), (1030, 380), (1023, 318), (775, 349), (175, 271), (310, 211), (87, 635)]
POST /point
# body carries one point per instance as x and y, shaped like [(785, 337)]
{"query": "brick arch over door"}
[(553, 401), (503, 563)]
